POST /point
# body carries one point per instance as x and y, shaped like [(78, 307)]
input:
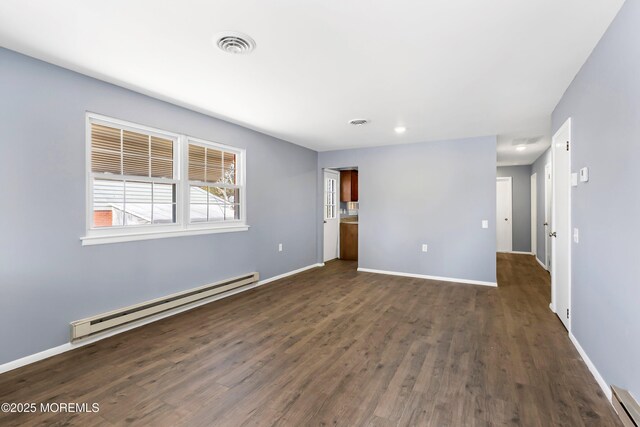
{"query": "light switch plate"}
[(485, 223), (576, 235), (574, 179), (584, 175), (279, 247), (424, 247)]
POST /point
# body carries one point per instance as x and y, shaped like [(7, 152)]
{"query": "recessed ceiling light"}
[(234, 42), (400, 129), (358, 122), (521, 148)]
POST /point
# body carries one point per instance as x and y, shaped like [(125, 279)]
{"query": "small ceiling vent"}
[(236, 43), (358, 122)]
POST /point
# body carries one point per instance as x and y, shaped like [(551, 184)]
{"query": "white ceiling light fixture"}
[(358, 122), (521, 148), (400, 129), (234, 42)]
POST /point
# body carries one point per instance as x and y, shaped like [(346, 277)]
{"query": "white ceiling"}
[(442, 68)]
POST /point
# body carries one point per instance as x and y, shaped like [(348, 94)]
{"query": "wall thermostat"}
[(584, 174)]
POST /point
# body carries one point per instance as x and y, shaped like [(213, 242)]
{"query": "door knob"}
[(546, 224), (553, 234), (506, 219)]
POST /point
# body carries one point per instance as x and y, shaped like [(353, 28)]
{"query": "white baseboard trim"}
[(32, 358), (601, 382), (424, 276), (515, 252), (289, 273), (540, 262)]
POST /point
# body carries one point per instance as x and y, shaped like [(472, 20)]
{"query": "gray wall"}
[(604, 104), (436, 193), (538, 168), (47, 279), (521, 205)]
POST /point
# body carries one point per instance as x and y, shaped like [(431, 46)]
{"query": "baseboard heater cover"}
[(91, 325), (626, 406)]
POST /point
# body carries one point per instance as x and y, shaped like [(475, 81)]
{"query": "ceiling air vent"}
[(358, 122), (235, 43)]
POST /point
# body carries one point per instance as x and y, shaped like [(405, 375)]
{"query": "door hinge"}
[(567, 145), (567, 313)]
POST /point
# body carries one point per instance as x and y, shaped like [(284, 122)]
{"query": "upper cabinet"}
[(348, 186)]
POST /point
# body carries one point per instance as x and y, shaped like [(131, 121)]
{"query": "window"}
[(330, 206), (214, 192), (148, 183)]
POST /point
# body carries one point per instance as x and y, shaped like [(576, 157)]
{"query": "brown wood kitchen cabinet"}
[(348, 186), (349, 241)]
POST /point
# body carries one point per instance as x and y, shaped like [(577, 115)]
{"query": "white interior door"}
[(547, 215), (330, 214), (560, 231), (534, 214), (504, 214)]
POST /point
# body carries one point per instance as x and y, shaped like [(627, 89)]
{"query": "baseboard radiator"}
[(626, 406), (103, 322)]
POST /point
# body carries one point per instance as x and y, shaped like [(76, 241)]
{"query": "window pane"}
[(105, 138), (108, 203), (214, 165), (161, 148), (198, 195), (216, 212), (164, 213), (216, 195), (137, 213), (161, 168), (135, 143), (136, 165), (229, 168), (196, 162), (164, 203), (106, 162), (138, 192), (198, 213), (232, 212), (231, 195)]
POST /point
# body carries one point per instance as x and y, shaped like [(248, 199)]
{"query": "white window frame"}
[(240, 183), (182, 226)]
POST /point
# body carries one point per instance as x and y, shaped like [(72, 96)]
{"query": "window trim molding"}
[(182, 226), (185, 183)]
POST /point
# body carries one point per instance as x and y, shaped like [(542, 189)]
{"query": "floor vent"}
[(626, 406), (113, 319)]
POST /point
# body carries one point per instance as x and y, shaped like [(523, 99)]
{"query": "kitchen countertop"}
[(348, 222)]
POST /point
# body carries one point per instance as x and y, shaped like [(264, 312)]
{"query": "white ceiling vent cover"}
[(358, 122), (235, 43)]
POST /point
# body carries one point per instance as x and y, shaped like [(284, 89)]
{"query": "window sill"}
[(132, 237)]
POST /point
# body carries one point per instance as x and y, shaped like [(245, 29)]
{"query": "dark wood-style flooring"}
[(332, 346)]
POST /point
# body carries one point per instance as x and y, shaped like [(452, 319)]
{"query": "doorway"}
[(534, 214), (561, 219), (330, 215), (504, 227), (547, 215)]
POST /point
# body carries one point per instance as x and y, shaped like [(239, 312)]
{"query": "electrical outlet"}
[(424, 247), (279, 247)]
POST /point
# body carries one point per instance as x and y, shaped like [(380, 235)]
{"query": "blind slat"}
[(123, 152)]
